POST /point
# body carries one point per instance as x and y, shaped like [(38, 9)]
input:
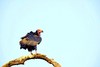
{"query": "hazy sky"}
[(71, 31)]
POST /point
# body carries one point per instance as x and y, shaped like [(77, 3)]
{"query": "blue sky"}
[(71, 31)]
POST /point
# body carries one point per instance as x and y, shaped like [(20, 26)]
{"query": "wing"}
[(33, 39), (36, 39), (28, 35), (40, 40)]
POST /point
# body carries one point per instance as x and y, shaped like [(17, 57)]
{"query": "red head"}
[(39, 31)]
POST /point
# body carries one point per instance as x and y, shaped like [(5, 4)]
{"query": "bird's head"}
[(39, 31)]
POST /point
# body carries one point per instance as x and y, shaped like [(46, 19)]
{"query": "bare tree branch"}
[(22, 59)]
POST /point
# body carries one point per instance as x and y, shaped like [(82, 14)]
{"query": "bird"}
[(31, 40)]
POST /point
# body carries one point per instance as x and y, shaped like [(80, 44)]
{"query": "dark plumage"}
[(31, 40)]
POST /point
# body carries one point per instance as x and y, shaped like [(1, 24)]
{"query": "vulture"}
[(31, 40)]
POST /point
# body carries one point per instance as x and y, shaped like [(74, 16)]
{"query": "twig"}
[(22, 59)]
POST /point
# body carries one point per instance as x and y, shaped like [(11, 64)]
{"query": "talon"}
[(31, 53)]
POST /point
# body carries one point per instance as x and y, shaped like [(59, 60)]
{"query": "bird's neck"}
[(36, 33)]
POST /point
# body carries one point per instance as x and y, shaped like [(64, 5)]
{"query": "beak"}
[(42, 31)]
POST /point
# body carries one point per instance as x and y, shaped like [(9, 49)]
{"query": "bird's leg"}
[(31, 52), (35, 51)]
